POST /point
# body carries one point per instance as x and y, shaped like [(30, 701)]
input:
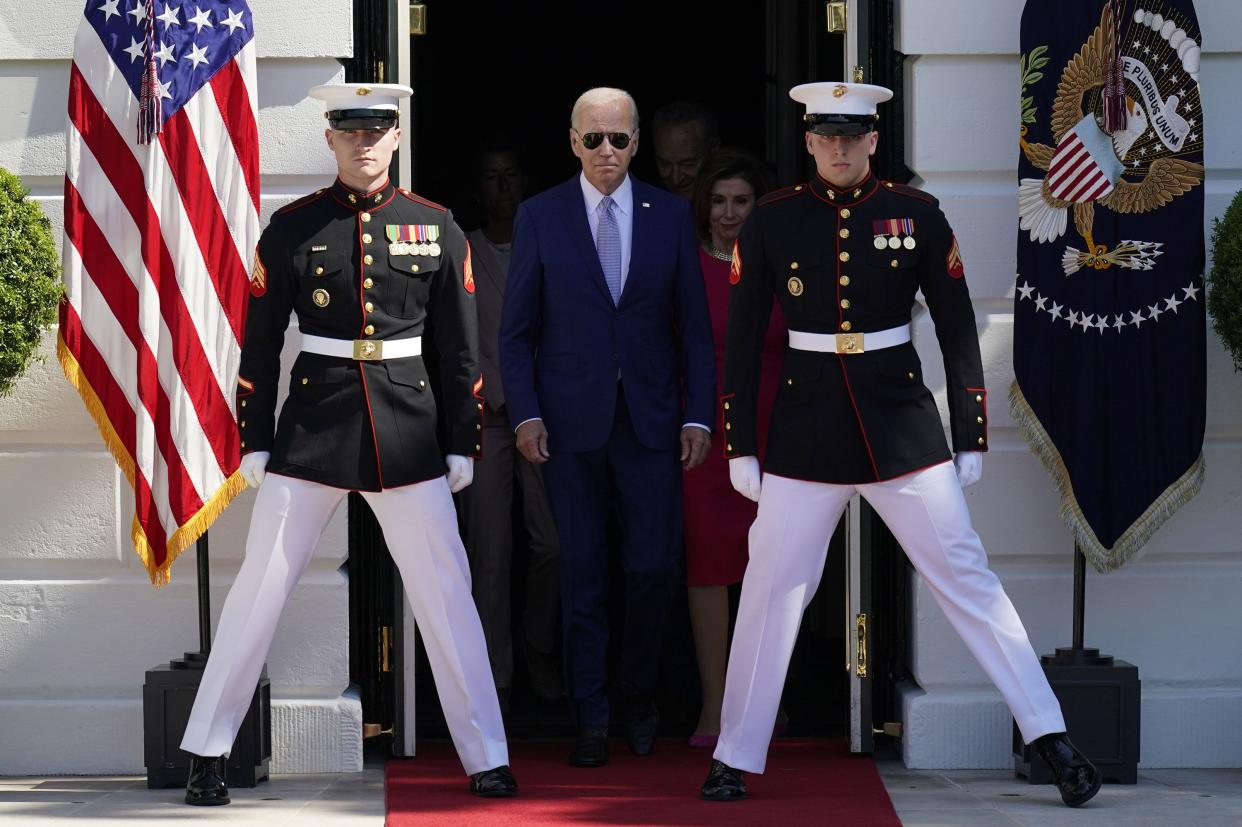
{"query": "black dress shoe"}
[(590, 749), (640, 727), (207, 784), (497, 782), (723, 783), (1075, 776)]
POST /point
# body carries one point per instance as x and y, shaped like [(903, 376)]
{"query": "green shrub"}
[(1224, 299), (29, 279)]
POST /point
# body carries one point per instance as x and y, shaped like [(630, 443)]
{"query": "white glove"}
[(744, 475), (969, 465), (460, 471), (253, 467)]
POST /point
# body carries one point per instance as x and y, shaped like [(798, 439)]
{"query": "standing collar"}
[(623, 197), (355, 200), (848, 196)]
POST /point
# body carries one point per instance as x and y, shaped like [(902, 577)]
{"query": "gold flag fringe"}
[(1102, 558), (194, 527)]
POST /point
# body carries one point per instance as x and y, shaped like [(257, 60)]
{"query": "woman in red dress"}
[(717, 518)]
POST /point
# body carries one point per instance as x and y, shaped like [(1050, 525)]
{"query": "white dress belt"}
[(849, 343), (364, 350)]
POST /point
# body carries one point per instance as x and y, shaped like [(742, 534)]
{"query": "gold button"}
[(414, 268), (893, 263), (366, 216), (798, 188), (845, 212), (979, 399), (888, 184), (726, 406), (728, 426), (793, 265), (844, 233), (369, 329), (319, 271), (478, 447), (478, 427), (243, 423), (728, 447), (980, 440), (243, 443), (844, 256), (367, 283), (845, 304), (480, 406), (422, 383), (368, 260), (845, 281), (366, 238), (243, 403), (305, 381), (910, 374), (846, 326), (979, 419), (369, 307), (788, 381)]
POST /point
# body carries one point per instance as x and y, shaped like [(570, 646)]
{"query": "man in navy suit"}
[(609, 374)]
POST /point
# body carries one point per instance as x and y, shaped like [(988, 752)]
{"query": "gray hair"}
[(601, 96)]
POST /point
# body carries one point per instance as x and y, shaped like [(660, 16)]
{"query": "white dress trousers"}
[(788, 544), (420, 527)]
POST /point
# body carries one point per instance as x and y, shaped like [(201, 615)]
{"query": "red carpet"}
[(806, 783)]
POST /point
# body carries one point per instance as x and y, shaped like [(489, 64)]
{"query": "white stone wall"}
[(79, 621), (1174, 612)]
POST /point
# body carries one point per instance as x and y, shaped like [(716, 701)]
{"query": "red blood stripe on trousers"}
[(113, 283), (125, 175), (233, 99), (121, 416)]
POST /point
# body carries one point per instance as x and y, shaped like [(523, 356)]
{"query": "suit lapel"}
[(640, 239)]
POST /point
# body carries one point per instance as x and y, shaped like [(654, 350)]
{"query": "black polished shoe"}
[(590, 749), (207, 785), (497, 782), (1075, 776), (642, 721), (723, 783)]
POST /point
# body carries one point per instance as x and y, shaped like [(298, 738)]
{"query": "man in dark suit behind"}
[(609, 374)]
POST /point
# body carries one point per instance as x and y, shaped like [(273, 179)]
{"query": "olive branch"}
[(1029, 66)]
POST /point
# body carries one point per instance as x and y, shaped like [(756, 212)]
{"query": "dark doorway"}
[(485, 70)]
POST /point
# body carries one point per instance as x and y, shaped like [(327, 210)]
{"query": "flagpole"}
[(1080, 589), (204, 595)]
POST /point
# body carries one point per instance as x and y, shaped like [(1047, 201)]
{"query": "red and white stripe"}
[(1074, 175), (158, 244)]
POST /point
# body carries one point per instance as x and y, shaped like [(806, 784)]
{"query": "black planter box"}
[(1100, 702), (167, 697)]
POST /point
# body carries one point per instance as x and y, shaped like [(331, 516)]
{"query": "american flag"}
[(161, 221)]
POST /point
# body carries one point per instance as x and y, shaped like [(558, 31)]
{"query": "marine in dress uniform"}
[(365, 266), (844, 254)]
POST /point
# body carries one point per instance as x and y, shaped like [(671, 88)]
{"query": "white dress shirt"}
[(624, 200)]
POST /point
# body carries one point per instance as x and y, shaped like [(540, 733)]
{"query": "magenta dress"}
[(717, 518)]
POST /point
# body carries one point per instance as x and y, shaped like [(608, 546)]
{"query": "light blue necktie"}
[(608, 245)]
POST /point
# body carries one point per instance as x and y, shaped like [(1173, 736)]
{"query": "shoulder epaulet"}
[(781, 194), (418, 199), (913, 192), (301, 202)]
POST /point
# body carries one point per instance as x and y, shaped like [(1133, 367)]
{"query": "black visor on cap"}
[(362, 118), (833, 124)]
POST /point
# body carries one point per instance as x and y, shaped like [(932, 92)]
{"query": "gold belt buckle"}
[(366, 350), (850, 343)]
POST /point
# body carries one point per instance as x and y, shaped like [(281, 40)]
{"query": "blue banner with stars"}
[(1109, 347)]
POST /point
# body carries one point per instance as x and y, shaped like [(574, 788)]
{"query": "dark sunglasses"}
[(592, 140)]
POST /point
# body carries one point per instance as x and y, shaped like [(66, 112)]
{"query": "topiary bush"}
[(29, 279), (1224, 299)]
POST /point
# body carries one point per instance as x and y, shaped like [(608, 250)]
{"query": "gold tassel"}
[(194, 527), (1103, 558)]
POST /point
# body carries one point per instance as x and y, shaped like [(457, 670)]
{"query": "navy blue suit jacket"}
[(562, 341)]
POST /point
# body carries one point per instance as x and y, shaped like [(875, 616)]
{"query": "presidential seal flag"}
[(161, 221), (1109, 318)]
